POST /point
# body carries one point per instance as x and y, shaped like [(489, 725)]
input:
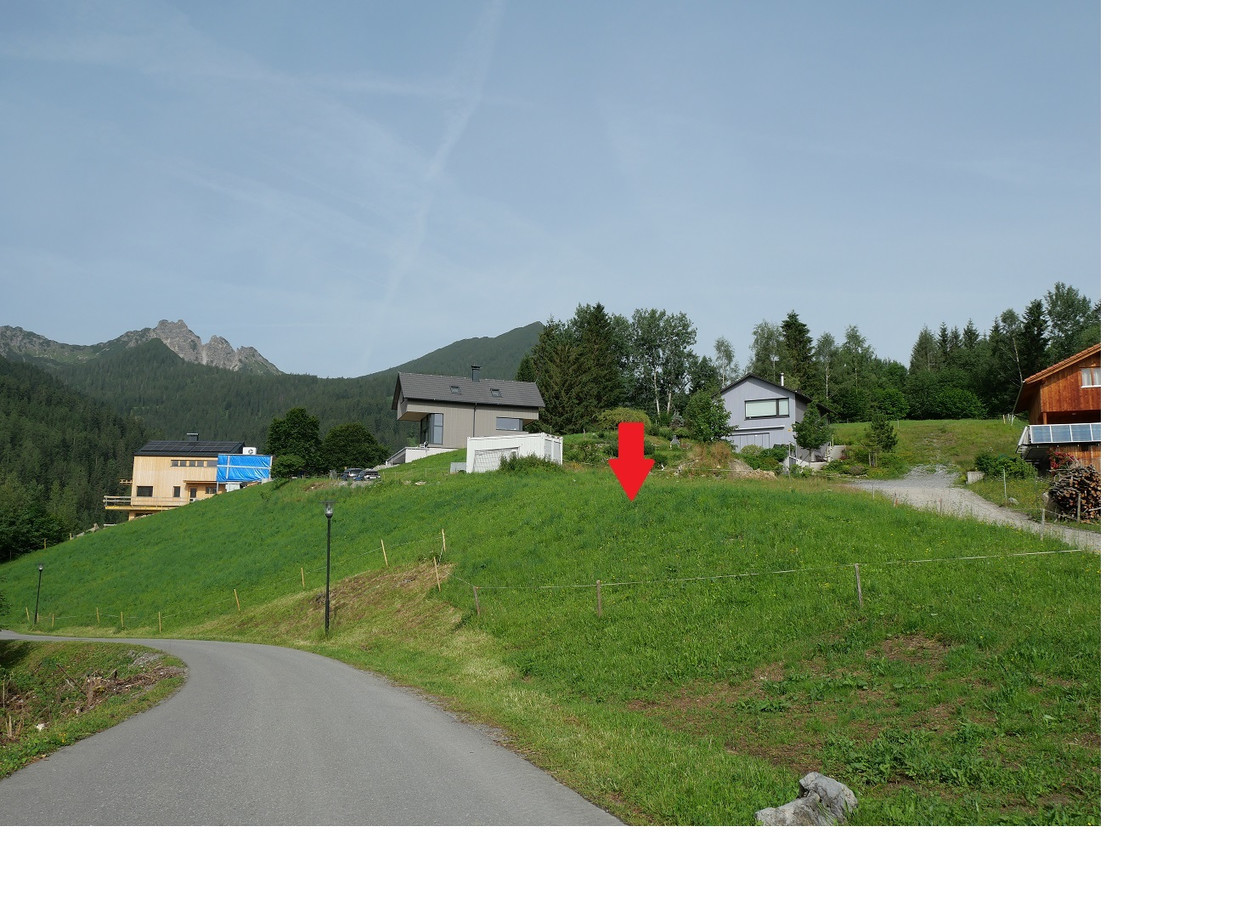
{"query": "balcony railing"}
[(128, 502)]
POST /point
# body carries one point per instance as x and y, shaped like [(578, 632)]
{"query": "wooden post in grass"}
[(384, 556), (443, 542), (237, 602), (302, 577), (599, 598), (28, 615), (437, 573), (122, 618), (477, 597), (857, 573)]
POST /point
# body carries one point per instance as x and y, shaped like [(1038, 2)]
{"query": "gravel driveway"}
[(933, 488)]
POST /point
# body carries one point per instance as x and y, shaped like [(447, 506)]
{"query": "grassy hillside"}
[(731, 654)]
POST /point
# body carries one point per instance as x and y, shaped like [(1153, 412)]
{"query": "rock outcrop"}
[(823, 801)]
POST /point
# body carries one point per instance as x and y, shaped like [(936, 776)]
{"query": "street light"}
[(38, 591), (328, 539)]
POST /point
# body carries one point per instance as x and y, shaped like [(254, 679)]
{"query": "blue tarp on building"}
[(242, 469)]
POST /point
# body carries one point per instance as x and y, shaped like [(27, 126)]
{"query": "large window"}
[(143, 490), (507, 423), (1091, 377), (431, 429), (766, 409)]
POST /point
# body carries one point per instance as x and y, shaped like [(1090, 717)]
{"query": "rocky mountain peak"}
[(177, 336)]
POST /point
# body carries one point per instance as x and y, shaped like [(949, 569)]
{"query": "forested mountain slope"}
[(60, 453), (172, 396)]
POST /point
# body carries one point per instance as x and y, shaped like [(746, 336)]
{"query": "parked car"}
[(370, 475), (352, 474)]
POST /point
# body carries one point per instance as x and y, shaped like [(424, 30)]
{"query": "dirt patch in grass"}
[(914, 649)]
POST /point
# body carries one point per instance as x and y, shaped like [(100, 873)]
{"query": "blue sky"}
[(348, 186)]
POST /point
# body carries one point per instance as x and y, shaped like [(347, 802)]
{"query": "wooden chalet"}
[(1062, 405)]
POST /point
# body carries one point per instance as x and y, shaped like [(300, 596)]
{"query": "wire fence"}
[(597, 584), (445, 573)]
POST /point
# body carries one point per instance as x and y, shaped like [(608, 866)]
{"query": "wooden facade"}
[(1065, 393)]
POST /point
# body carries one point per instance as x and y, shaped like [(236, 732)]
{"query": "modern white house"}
[(763, 413)]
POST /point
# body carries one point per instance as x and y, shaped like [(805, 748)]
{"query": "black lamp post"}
[(38, 591), (328, 544)]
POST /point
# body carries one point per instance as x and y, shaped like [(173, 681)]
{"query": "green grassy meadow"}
[(731, 654)]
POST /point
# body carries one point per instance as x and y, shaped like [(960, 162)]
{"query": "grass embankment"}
[(53, 694), (960, 691)]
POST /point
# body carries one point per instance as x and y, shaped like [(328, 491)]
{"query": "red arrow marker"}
[(631, 467)]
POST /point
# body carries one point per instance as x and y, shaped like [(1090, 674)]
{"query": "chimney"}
[(476, 373), (781, 379), (192, 435)]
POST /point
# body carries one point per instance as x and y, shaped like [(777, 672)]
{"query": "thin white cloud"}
[(469, 78)]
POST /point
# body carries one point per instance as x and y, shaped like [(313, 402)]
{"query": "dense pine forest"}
[(61, 454)]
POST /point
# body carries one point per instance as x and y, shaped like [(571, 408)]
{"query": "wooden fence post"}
[(237, 602), (302, 577), (857, 573), (443, 542), (384, 555), (437, 573), (599, 598)]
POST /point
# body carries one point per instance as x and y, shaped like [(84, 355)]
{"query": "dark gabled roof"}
[(804, 398), (189, 448), (465, 391)]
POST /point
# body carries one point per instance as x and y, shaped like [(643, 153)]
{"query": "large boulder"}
[(823, 801)]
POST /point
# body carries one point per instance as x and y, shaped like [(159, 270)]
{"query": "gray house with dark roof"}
[(763, 413), (450, 409)]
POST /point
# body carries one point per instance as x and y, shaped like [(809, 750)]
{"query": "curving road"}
[(927, 488), (265, 735)]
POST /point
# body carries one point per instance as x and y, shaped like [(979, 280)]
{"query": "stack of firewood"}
[(1075, 491)]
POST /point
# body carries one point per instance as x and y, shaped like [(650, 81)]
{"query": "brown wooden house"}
[(1062, 405)]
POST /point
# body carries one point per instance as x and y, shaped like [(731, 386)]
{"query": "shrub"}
[(520, 464), (288, 465), (608, 419), (769, 460), (993, 465), (589, 453), (706, 416)]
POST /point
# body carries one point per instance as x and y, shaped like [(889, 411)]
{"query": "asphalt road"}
[(265, 735)]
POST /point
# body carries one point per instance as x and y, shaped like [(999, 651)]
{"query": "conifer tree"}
[(796, 353)]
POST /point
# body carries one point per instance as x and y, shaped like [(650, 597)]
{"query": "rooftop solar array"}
[(1077, 433), (189, 448)]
